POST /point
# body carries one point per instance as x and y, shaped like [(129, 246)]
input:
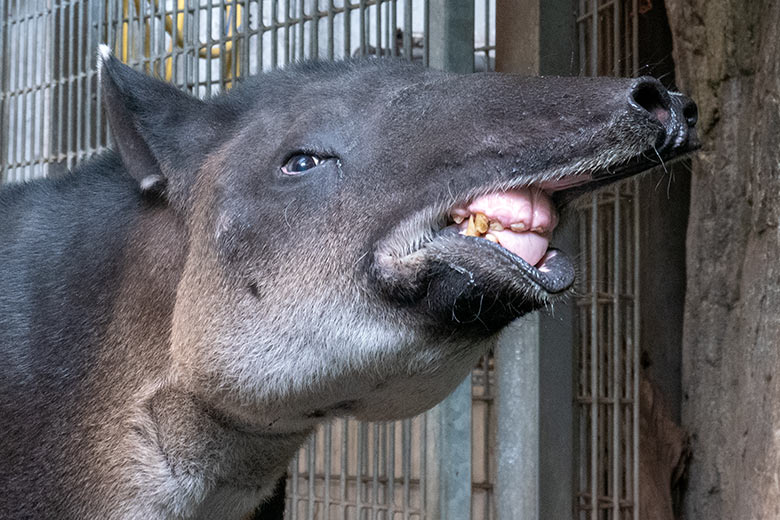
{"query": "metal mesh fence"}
[(51, 118), (607, 466)]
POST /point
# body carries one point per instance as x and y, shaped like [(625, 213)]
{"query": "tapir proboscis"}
[(334, 239)]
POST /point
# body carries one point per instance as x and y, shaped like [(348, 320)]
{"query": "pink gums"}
[(530, 210)]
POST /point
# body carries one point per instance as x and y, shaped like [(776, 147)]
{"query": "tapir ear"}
[(161, 133)]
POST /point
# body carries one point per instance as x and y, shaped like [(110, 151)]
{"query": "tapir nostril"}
[(652, 97), (690, 113)]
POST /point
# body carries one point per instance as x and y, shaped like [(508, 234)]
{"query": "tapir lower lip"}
[(556, 276)]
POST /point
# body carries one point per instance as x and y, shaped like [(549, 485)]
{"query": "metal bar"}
[(92, 36), (274, 34), (449, 457), (328, 467), (314, 31), (517, 381), (375, 470), (406, 464), (389, 29), (636, 346), (331, 29), (488, 391), (408, 29), (260, 36), (594, 357), (452, 36), (81, 71), (361, 466), (293, 512), (44, 95), (363, 28), (427, 35), (394, 25), (209, 46), (391, 466), (423, 486), (23, 79), (300, 26), (616, 329), (635, 360), (343, 476), (287, 30), (34, 111), (222, 47), (3, 88), (311, 453), (378, 29)]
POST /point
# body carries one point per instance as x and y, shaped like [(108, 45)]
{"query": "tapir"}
[(333, 239)]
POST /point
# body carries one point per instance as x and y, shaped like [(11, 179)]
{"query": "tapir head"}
[(359, 232)]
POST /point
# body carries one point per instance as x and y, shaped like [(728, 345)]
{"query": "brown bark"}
[(728, 58)]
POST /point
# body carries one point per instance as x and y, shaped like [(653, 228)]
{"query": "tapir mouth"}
[(502, 234)]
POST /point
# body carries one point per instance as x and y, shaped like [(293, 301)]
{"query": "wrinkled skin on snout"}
[(245, 267)]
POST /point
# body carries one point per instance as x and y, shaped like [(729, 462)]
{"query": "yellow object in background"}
[(233, 17)]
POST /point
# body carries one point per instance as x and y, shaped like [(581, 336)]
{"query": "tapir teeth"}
[(458, 218), (491, 237), (496, 226), (481, 223), (471, 230), (518, 227)]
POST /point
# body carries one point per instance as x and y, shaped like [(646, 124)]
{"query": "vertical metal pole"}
[(534, 360), (331, 35), (81, 72), (3, 86), (517, 381), (363, 27), (393, 26), (344, 473), (347, 28), (274, 35), (451, 37), (22, 105), (408, 30), (361, 467), (311, 476), (391, 468), (300, 16), (375, 471), (314, 32), (594, 359), (328, 464), (449, 457), (293, 512), (378, 28), (635, 353), (616, 337), (406, 464)]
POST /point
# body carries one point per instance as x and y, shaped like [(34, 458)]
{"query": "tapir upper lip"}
[(600, 178)]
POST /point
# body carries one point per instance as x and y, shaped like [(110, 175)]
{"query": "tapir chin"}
[(334, 239)]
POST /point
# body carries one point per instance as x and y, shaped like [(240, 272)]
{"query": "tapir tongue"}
[(528, 217)]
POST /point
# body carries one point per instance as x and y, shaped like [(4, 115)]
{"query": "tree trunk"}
[(728, 58)]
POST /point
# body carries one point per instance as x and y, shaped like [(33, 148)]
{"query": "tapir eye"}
[(300, 163)]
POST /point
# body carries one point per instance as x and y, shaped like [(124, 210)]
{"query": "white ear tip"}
[(104, 52)]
